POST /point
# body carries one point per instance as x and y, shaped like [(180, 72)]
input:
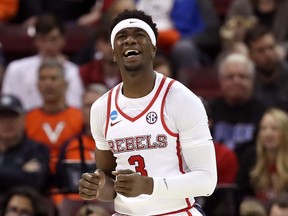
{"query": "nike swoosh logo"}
[(114, 123), (165, 183), (131, 22)]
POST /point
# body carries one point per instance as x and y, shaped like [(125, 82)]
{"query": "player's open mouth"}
[(131, 53)]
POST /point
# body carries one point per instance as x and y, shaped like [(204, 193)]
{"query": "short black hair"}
[(255, 33), (47, 22), (138, 14)]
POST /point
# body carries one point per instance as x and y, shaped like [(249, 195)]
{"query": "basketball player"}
[(154, 150)]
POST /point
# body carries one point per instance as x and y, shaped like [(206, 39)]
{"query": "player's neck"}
[(138, 85)]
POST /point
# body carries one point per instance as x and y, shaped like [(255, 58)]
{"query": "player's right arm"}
[(100, 184)]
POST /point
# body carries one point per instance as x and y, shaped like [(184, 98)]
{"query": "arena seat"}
[(16, 43), (204, 82)]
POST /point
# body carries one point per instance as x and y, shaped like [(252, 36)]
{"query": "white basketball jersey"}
[(146, 145)]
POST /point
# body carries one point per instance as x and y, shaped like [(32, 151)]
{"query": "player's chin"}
[(132, 68)]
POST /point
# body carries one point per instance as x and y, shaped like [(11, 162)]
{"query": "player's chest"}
[(144, 133)]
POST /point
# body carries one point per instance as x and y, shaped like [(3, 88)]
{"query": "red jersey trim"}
[(108, 111), (178, 211), (162, 110), (178, 149), (189, 213), (146, 109)]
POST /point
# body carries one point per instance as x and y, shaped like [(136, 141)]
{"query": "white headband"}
[(132, 23)]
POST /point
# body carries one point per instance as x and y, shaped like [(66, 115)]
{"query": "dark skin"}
[(138, 80), (136, 69)]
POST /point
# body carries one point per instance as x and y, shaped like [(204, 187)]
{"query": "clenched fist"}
[(132, 184), (91, 184)]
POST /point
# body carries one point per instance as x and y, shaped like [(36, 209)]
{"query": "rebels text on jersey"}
[(142, 142)]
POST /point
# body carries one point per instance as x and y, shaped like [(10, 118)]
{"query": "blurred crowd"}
[(45, 138)]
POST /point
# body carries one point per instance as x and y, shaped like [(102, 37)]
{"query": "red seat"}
[(204, 82), (221, 7), (17, 44)]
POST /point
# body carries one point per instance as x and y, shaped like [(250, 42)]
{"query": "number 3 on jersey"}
[(139, 163)]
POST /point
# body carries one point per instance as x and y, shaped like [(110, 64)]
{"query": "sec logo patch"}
[(151, 117)]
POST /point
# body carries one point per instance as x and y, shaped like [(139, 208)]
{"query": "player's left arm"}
[(191, 121)]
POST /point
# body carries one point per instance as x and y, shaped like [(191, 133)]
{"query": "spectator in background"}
[(89, 51), (23, 201), (272, 13), (271, 83), (252, 207), (117, 7), (70, 166), (22, 161), (83, 12), (199, 43), (20, 78), (55, 122), (162, 65), (172, 25), (80, 12), (267, 176), (103, 68), (232, 34), (77, 157), (162, 13), (236, 115), (279, 205)]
